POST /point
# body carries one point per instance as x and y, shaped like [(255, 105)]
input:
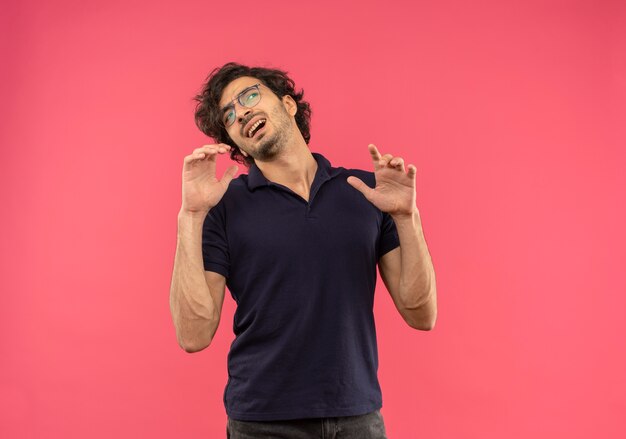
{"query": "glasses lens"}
[(229, 117), (250, 97)]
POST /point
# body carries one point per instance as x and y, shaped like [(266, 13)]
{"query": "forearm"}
[(417, 288), (191, 304)]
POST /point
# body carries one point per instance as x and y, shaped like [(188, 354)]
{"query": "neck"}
[(294, 167)]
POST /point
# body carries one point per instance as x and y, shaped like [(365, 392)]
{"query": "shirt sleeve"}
[(215, 252), (388, 235)]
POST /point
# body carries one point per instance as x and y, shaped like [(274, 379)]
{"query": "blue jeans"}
[(368, 426)]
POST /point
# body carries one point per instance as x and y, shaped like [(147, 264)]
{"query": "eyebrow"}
[(223, 110), (230, 103)]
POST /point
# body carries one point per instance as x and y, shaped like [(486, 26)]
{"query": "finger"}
[(358, 184), (192, 158), (207, 151), (199, 155), (384, 160), (223, 146), (229, 174), (374, 152), (375, 155), (219, 145), (397, 163), (202, 153), (212, 149)]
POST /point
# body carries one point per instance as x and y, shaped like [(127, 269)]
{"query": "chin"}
[(267, 150)]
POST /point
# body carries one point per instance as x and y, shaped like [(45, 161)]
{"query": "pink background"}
[(513, 113)]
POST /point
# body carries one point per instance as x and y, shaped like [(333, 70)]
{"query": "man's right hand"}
[(201, 189)]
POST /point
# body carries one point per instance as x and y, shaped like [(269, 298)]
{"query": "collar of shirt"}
[(324, 172)]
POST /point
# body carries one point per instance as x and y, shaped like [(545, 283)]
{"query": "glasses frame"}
[(238, 99)]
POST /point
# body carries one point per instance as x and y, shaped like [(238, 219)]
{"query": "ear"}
[(290, 105)]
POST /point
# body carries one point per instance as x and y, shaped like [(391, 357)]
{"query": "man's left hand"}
[(395, 187)]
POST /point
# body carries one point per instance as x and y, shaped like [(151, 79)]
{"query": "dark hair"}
[(207, 114)]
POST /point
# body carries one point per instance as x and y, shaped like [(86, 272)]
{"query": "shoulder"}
[(239, 182), (237, 188), (236, 191), (366, 176), (350, 195)]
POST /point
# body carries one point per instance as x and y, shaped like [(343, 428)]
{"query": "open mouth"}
[(256, 128)]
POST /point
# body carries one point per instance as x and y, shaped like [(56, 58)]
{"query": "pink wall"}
[(513, 113)]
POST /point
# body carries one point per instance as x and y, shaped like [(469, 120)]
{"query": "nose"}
[(241, 115)]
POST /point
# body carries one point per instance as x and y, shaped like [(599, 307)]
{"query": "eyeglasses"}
[(248, 98)]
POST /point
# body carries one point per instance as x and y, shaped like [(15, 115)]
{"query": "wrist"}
[(413, 215), (192, 215)]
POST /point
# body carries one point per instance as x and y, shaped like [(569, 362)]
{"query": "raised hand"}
[(395, 187), (201, 189)]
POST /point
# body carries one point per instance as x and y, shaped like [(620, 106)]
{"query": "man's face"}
[(267, 138)]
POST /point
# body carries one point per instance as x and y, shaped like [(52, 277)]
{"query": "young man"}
[(297, 242)]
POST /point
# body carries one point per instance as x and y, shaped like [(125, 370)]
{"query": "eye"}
[(251, 96), (229, 117)]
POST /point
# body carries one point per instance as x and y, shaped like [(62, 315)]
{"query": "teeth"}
[(253, 127)]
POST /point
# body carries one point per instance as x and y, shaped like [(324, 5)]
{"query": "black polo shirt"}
[(303, 275)]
